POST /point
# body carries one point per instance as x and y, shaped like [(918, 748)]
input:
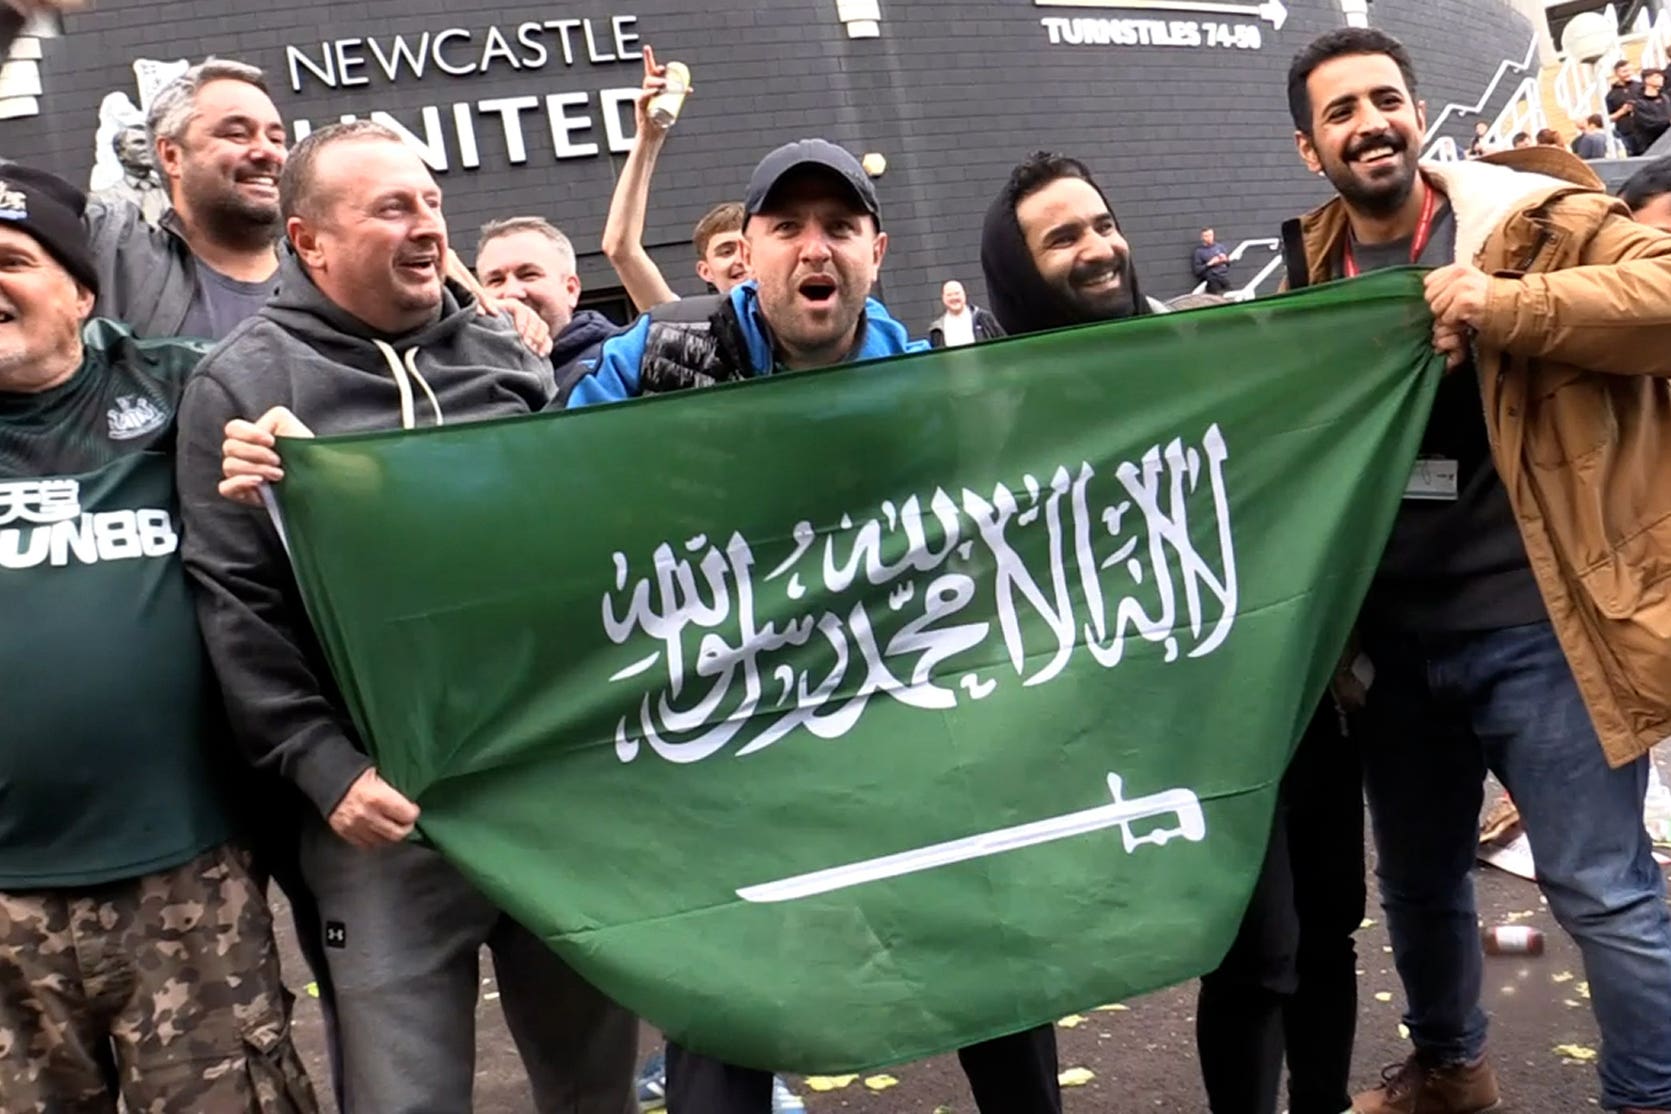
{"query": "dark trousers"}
[(1445, 709), (270, 824), (1289, 982), (1009, 1075), (1218, 284)]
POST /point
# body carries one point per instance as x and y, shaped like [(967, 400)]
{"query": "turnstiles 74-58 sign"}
[(1209, 23), (839, 718)]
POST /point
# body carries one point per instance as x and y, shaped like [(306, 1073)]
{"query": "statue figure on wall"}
[(124, 164), (140, 182)]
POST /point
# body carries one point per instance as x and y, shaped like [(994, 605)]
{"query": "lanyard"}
[(1424, 230)]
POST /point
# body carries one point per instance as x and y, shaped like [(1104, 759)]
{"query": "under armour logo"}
[(336, 934)]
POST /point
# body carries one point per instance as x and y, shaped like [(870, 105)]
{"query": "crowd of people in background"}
[(1636, 112), (287, 291)]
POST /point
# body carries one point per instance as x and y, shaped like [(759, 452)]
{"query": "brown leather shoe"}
[(1412, 1088)]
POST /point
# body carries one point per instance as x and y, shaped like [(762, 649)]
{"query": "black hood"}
[(1018, 295)]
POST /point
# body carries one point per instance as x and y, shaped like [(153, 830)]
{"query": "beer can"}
[(1512, 939), (665, 105)]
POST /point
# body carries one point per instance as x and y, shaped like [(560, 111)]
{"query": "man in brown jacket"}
[(1520, 621)]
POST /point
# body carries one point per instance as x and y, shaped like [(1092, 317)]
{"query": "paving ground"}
[(1143, 1057)]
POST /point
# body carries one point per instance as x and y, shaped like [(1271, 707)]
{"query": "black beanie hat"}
[(49, 209)]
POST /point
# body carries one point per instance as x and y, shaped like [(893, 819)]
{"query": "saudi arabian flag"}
[(835, 719)]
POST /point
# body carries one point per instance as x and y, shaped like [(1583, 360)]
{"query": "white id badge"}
[(1433, 479)]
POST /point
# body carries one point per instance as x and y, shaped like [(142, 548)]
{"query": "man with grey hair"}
[(218, 144), (528, 260), (366, 332)]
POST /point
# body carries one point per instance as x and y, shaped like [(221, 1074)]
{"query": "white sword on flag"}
[(1273, 12), (1182, 803)]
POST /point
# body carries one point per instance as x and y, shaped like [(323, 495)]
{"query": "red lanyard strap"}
[(1418, 244)]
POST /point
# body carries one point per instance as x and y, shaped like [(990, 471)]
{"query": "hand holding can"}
[(665, 105)]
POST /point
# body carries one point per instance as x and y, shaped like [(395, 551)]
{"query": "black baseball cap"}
[(809, 152)]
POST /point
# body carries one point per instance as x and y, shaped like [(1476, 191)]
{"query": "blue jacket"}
[(670, 334)]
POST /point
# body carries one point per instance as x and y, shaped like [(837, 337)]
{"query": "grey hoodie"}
[(337, 375)]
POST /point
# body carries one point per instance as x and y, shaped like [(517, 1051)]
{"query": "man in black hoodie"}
[(1054, 256), (527, 260), (1053, 253), (364, 334)]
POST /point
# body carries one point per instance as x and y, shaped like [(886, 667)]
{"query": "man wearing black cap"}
[(136, 948), (813, 240), (1054, 257), (812, 236)]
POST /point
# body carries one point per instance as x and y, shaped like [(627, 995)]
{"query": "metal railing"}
[(1443, 149), (1523, 113), (1581, 87), (1656, 35), (1250, 289), (1527, 65)]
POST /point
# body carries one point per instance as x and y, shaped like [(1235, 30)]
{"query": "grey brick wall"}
[(953, 93)]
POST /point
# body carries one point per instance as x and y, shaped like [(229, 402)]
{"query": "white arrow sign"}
[(1182, 803), (1273, 12)]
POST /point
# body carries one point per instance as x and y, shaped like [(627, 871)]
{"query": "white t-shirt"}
[(959, 328)]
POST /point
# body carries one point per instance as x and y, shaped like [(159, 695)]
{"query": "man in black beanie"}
[(136, 949), (1054, 256)]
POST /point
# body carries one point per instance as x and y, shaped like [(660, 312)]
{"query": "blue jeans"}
[(1444, 709)]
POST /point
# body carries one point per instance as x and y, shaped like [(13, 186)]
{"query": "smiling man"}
[(1518, 620), (1053, 253), (366, 334), (528, 260)]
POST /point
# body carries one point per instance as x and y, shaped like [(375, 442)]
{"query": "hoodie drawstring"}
[(403, 374)]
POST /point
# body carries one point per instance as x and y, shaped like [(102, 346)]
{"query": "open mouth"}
[(820, 290), (421, 268)]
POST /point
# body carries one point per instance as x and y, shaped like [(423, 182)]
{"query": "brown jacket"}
[(1574, 359)]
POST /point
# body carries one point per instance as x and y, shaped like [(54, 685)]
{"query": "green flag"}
[(840, 718)]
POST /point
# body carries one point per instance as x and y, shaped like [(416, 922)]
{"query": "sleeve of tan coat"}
[(1612, 313)]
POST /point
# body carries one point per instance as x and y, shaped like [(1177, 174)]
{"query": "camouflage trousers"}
[(162, 989)]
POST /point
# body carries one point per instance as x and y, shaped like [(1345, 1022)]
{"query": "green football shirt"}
[(111, 724)]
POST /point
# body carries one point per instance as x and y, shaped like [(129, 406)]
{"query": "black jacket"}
[(1650, 117), (574, 351), (986, 328)]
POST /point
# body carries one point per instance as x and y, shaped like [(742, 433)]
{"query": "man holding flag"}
[(1054, 255), (1519, 621)]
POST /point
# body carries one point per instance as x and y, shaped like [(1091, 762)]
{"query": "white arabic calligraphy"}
[(888, 605)]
